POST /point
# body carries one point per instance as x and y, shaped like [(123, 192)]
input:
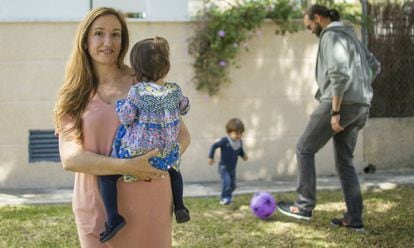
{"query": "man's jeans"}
[(316, 134), (228, 180)]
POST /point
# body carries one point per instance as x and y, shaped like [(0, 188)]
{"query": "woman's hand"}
[(140, 168)]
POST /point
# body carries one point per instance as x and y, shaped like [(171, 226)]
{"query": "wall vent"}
[(43, 146)]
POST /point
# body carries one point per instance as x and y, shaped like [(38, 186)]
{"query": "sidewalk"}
[(381, 179)]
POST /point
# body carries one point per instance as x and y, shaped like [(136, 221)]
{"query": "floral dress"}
[(150, 118)]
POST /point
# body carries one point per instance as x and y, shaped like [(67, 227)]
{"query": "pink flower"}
[(221, 33), (222, 63)]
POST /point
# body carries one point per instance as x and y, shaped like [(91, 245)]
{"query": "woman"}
[(86, 121)]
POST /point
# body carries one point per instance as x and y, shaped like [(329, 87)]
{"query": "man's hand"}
[(210, 161), (245, 158), (335, 124)]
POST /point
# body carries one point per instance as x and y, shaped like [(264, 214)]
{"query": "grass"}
[(388, 216)]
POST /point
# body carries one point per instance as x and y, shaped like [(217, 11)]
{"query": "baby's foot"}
[(182, 215)]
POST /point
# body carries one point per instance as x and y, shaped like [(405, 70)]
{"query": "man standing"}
[(344, 72)]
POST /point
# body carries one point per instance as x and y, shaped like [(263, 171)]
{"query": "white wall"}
[(68, 10), (155, 10), (272, 93)]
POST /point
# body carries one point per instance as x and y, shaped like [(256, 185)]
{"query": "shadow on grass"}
[(389, 223), (388, 218)]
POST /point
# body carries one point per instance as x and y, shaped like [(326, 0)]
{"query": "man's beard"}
[(318, 30)]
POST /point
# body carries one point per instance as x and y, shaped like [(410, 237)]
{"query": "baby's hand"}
[(210, 161)]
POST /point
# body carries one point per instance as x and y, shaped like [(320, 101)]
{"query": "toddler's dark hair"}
[(150, 59), (320, 10), (235, 125)]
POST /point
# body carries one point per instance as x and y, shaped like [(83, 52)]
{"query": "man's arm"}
[(336, 114), (338, 73)]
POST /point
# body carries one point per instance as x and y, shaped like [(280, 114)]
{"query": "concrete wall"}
[(272, 93), (32, 58), (389, 143)]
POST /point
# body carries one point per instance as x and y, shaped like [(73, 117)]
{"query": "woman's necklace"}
[(106, 100), (113, 91)]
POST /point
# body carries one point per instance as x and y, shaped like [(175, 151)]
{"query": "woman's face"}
[(104, 40)]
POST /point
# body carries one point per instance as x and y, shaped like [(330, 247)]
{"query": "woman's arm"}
[(184, 136), (75, 158)]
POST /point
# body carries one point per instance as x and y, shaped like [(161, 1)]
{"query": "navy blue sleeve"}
[(242, 150), (214, 147)]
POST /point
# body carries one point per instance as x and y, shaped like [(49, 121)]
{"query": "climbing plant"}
[(222, 31)]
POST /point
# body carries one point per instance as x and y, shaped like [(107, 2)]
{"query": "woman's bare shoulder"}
[(129, 76), (128, 70)]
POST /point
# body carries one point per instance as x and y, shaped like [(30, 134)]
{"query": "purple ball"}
[(262, 205)]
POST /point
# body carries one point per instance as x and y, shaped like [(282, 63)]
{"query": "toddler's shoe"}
[(225, 201), (182, 215), (111, 230)]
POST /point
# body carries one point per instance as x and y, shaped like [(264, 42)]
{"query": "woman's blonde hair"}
[(80, 82)]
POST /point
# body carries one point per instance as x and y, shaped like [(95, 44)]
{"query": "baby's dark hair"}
[(235, 125), (150, 59), (320, 10)]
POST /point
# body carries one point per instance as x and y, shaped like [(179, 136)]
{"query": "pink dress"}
[(146, 206)]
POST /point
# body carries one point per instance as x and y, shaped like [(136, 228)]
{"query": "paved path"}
[(381, 179)]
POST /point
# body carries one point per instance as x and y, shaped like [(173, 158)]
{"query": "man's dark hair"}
[(320, 10)]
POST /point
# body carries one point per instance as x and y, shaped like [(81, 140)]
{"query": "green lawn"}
[(389, 220)]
